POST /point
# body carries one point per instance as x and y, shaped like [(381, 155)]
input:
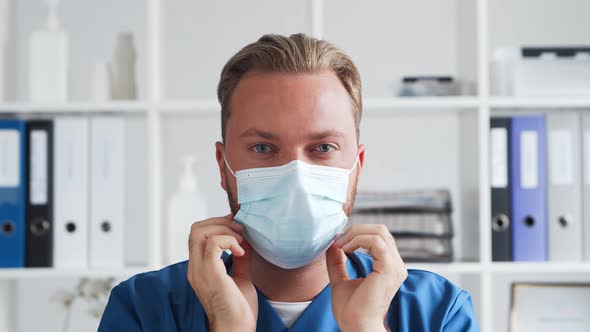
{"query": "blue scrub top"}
[(164, 301)]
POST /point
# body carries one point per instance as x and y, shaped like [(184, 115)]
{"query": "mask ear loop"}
[(353, 167), (227, 164)]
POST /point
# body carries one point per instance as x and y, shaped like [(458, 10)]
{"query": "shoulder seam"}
[(458, 302)]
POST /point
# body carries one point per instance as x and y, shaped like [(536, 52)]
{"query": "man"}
[(290, 163)]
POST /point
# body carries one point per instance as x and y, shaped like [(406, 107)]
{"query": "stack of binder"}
[(62, 192), (540, 177), (419, 220)]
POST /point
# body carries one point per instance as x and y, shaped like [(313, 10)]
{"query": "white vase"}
[(123, 68)]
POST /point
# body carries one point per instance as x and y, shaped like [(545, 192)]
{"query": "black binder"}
[(39, 193), (501, 206)]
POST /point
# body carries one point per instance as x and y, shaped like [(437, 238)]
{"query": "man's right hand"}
[(230, 302)]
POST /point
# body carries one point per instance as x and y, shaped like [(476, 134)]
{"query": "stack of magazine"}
[(419, 220)]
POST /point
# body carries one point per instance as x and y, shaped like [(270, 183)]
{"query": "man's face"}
[(279, 117)]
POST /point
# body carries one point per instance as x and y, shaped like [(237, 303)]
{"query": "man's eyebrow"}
[(326, 133), (259, 133)]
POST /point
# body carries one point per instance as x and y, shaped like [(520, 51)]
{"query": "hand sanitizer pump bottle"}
[(186, 206), (48, 60)]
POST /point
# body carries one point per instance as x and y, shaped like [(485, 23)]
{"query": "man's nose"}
[(295, 153)]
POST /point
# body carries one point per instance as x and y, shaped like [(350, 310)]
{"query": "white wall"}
[(200, 36), (539, 23), (391, 39), (386, 39)]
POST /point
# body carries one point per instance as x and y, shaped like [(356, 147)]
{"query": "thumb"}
[(241, 264), (336, 262)]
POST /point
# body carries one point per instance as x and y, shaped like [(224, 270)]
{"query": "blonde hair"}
[(297, 53)]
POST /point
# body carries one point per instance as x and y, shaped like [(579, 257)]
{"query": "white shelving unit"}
[(531, 103), (41, 273), (157, 108), (75, 107)]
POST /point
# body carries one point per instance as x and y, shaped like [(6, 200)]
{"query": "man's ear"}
[(219, 150), (361, 154)]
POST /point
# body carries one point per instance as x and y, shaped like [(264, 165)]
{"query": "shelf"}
[(75, 107), (503, 267), (444, 268), (541, 267), (371, 105), (421, 102), (439, 268), (539, 102), (203, 106), (30, 273)]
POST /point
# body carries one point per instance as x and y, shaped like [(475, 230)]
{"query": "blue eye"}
[(323, 148), (261, 148)]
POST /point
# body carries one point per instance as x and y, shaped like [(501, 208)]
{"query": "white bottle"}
[(101, 87), (186, 206), (503, 70), (48, 60), (123, 68)]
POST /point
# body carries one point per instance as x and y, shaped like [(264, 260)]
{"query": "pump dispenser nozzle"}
[(188, 180), (52, 20)]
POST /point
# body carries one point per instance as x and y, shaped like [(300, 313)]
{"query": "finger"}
[(236, 227), (218, 243), (374, 229), (210, 270), (199, 236), (233, 224), (209, 230), (396, 255), (367, 229), (225, 220), (382, 256), (336, 263), (241, 263)]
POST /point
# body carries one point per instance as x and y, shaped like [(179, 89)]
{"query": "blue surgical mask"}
[(291, 213)]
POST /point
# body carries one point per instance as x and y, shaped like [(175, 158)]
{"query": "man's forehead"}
[(265, 104), (289, 89)]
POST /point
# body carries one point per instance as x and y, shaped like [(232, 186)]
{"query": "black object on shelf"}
[(422, 86), (559, 51), (419, 220)]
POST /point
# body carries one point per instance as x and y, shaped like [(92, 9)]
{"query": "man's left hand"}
[(362, 304)]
